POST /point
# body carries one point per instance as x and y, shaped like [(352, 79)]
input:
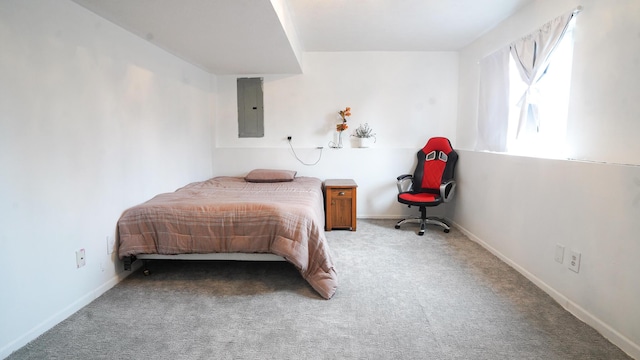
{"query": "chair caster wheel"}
[(446, 230), (397, 226), (146, 272)]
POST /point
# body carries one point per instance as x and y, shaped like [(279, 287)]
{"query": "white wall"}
[(520, 208), (92, 121), (406, 97)]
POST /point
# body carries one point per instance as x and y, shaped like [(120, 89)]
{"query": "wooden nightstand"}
[(340, 204)]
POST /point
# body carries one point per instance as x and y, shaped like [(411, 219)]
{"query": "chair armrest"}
[(404, 183), (447, 190)]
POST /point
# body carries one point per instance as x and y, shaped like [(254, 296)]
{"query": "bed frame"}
[(129, 260)]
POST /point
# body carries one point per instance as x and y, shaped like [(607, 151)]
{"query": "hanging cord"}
[(302, 162)]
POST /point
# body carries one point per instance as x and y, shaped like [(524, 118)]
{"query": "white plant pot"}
[(364, 142)]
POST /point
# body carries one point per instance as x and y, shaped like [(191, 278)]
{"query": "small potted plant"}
[(364, 135)]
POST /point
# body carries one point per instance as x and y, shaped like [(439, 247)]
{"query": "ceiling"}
[(269, 36)]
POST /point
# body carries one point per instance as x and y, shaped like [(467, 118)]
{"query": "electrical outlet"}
[(574, 261), (80, 258), (288, 138), (559, 253)]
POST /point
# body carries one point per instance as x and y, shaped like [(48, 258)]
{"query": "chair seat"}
[(419, 199)]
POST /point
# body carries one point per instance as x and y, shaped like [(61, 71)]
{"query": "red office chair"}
[(431, 184)]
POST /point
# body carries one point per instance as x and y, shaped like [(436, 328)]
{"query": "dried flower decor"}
[(341, 127), (343, 115)]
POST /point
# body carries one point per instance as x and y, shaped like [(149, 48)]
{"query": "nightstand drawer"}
[(342, 193)]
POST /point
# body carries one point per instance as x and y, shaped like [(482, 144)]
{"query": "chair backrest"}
[(436, 164)]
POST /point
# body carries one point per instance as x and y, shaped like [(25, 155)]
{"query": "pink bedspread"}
[(228, 214)]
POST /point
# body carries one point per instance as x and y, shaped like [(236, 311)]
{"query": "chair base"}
[(432, 220)]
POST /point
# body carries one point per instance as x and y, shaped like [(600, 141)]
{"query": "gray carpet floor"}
[(400, 296)]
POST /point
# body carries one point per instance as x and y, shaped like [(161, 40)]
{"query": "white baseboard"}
[(63, 314), (382, 217), (625, 344)]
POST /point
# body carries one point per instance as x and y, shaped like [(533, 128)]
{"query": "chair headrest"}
[(438, 144)]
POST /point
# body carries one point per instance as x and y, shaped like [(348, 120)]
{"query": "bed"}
[(238, 218)]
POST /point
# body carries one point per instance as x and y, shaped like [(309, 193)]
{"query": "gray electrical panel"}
[(250, 108)]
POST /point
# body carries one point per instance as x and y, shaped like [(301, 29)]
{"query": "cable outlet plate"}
[(111, 244), (80, 258), (559, 257)]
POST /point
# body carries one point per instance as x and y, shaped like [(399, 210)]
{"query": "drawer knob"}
[(341, 193)]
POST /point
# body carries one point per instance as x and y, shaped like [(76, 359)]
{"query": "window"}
[(524, 88), (547, 136)]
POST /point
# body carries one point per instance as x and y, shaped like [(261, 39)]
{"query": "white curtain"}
[(532, 54), (493, 102)]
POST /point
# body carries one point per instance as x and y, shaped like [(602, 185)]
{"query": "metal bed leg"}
[(128, 261)]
